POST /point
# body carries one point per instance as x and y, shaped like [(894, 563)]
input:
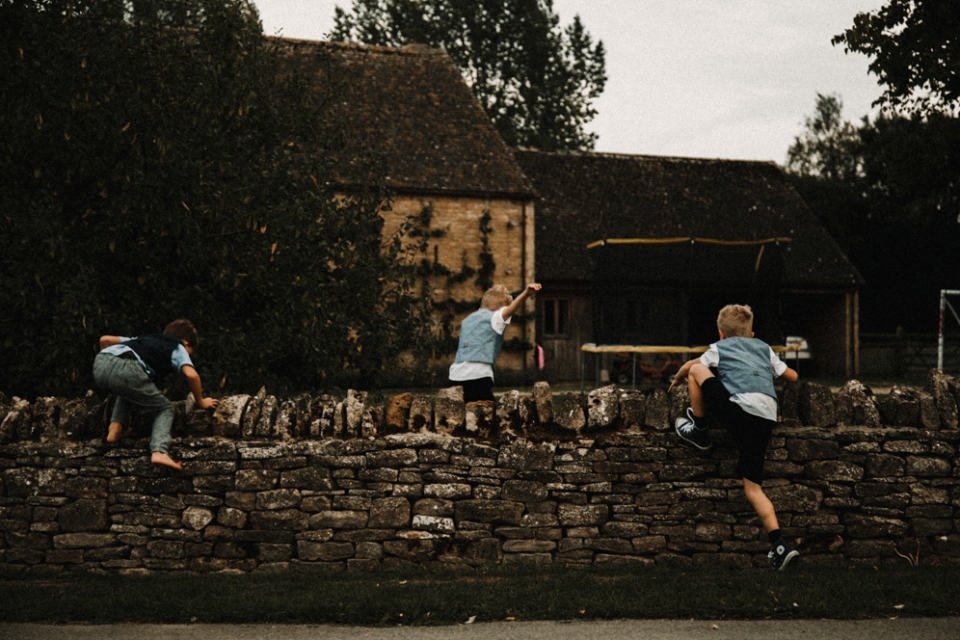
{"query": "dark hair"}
[(183, 330)]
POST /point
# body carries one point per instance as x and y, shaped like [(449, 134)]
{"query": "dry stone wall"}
[(343, 483)]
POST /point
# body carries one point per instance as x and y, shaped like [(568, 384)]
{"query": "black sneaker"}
[(688, 430), (781, 554)]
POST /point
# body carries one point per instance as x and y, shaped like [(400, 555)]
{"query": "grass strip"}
[(435, 597)]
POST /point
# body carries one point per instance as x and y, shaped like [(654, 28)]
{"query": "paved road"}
[(885, 629)]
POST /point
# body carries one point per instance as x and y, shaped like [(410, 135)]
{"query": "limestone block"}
[(572, 515), (495, 511), (789, 402), (324, 551), (398, 413), (354, 406), (817, 407), (571, 417), (84, 515), (278, 499), (248, 425), (268, 416), (230, 517), (834, 471), (197, 517), (84, 540), (389, 513), (527, 456), (285, 424), (524, 491), (543, 398), (929, 415), (16, 420), (479, 419), (449, 410), (511, 412), (279, 520), (855, 404), (433, 523), (372, 422), (46, 419), (679, 400), (900, 407), (324, 410), (603, 407), (421, 413), (340, 420), (433, 507), (864, 526), (633, 405), (80, 418), (943, 390), (305, 407), (339, 520), (228, 417), (657, 411)]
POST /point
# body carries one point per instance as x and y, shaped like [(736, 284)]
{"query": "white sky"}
[(700, 78)]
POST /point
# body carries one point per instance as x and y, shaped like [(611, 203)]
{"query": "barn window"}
[(556, 313)]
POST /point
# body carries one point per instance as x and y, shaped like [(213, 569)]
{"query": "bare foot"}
[(159, 457), (116, 432)]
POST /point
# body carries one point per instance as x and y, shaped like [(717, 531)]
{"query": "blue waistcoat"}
[(744, 366), (155, 349), (478, 341)]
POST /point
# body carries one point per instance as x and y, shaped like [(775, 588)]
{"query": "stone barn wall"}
[(346, 484)]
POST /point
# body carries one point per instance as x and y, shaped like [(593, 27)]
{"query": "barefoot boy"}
[(131, 369), (742, 401)]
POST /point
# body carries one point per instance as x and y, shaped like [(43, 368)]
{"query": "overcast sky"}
[(697, 78)]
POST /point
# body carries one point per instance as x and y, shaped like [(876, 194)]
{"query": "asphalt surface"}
[(883, 629)]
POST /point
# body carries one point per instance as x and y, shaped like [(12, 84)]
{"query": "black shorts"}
[(751, 433), (475, 390)]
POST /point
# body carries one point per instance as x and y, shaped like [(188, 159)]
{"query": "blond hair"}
[(736, 320), (496, 297)]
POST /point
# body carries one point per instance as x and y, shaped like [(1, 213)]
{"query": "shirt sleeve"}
[(711, 357), (778, 365), (180, 358), (498, 323)]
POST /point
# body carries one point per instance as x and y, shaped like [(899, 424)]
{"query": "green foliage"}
[(889, 193), (829, 146), (159, 162), (915, 46), (536, 81)]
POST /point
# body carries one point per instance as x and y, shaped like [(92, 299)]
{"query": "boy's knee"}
[(700, 372)]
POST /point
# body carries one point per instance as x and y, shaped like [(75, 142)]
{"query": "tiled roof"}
[(411, 107), (586, 197)]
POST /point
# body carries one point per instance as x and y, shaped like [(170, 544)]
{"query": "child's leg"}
[(126, 378), (761, 504), (695, 377), (160, 437), (118, 420)]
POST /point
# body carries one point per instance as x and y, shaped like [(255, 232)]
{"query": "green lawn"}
[(430, 597)]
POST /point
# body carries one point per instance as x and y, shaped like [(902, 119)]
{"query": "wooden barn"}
[(644, 250)]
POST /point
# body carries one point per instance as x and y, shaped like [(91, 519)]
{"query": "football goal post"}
[(945, 304)]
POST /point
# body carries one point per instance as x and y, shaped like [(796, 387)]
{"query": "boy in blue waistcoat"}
[(741, 398), (481, 337), (131, 368)]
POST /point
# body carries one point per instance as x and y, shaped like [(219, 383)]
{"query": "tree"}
[(915, 46), (159, 161), (888, 193), (829, 145), (536, 81)]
